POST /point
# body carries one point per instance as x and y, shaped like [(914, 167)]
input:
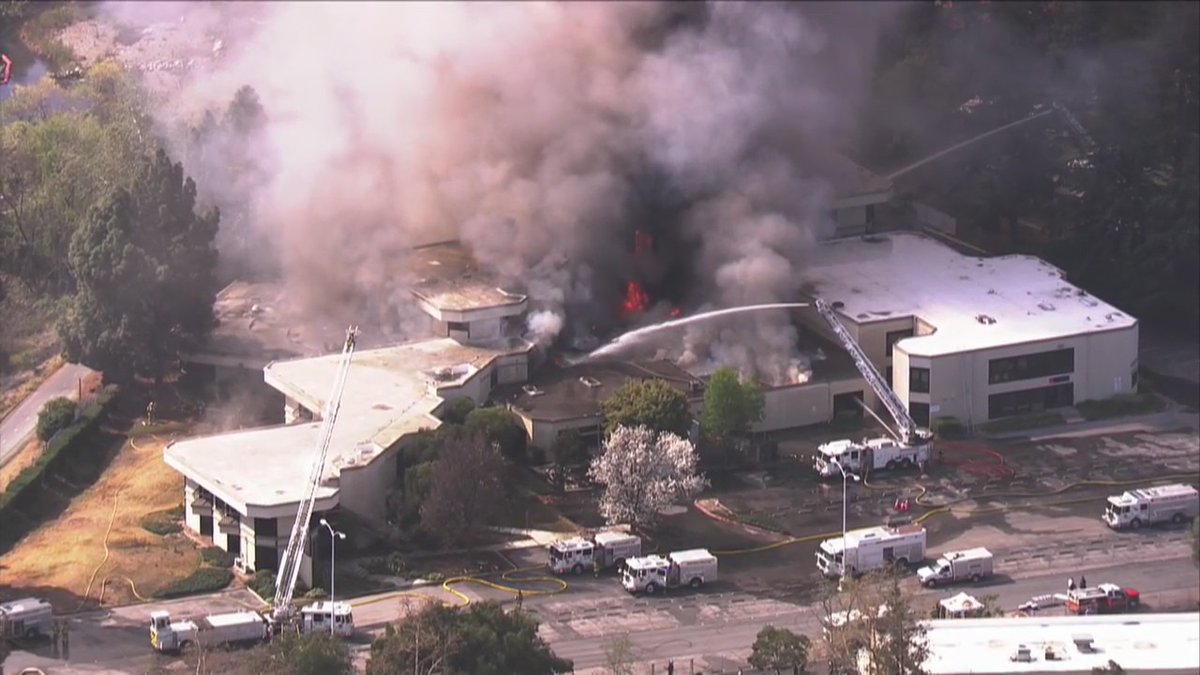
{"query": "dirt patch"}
[(96, 551)]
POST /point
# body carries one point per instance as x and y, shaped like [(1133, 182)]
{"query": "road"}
[(18, 427), (684, 642), (117, 639)]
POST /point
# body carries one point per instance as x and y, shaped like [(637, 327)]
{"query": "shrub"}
[(263, 583), (500, 426), (458, 411), (948, 427), (216, 556), (162, 523), (203, 580), (56, 415)]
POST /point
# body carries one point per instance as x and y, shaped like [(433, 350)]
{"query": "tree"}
[(56, 415), (779, 649), (144, 263), (649, 403), (313, 654), (731, 405), (467, 487), (642, 472), (481, 638), (567, 450), (618, 655), (883, 625), (499, 426), (458, 411)]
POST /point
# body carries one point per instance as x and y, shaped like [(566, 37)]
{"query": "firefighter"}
[(1082, 581), (1070, 584)]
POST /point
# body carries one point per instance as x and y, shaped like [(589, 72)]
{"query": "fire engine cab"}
[(1102, 599)]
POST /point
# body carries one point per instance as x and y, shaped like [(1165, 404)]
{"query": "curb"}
[(757, 531)]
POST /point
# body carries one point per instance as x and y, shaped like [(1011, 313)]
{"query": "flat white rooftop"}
[(389, 393), (972, 303), (1138, 642)]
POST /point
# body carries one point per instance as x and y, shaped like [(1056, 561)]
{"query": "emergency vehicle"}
[(1102, 599), (1152, 505)]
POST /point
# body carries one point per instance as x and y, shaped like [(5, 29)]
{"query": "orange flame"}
[(636, 300)]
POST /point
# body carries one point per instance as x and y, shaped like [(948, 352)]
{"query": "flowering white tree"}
[(644, 471)]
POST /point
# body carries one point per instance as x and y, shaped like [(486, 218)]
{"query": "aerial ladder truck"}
[(909, 444), (247, 627)]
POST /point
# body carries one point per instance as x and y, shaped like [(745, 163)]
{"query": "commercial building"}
[(976, 339), (242, 488), (1140, 643)]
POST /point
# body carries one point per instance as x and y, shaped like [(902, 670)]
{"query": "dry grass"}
[(67, 557), (25, 456), (21, 383)]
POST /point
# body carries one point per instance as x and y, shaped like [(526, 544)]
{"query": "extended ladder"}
[(289, 566), (1075, 125), (909, 431)]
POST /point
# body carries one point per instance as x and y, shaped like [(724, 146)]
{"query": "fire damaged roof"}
[(447, 277), (574, 392)]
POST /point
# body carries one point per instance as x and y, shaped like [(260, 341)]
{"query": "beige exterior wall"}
[(1104, 366), (363, 489), (797, 406)]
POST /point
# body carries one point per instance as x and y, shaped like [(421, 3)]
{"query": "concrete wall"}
[(795, 406), (365, 488), (934, 218), (1104, 366)]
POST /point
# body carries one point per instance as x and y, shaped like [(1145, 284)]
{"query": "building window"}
[(1029, 401), (267, 528), (461, 326), (895, 336), (918, 380), (919, 412), (1031, 366)]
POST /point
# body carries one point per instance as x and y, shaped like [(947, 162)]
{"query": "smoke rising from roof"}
[(542, 135)]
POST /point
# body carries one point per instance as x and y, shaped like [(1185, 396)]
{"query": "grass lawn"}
[(26, 456), (92, 552)]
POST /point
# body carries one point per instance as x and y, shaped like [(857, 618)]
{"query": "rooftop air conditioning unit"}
[(590, 382), (532, 390)]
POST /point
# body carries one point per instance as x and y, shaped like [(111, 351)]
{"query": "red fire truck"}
[(1102, 599)]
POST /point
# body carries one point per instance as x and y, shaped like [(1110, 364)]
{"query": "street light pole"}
[(845, 475), (334, 535)]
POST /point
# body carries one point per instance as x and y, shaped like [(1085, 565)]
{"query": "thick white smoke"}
[(527, 130)]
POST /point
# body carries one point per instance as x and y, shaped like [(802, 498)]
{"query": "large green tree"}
[(144, 264), (481, 639), (731, 405), (649, 403), (779, 649)]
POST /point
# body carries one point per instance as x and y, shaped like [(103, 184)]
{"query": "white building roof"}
[(1159, 642), (389, 393), (972, 303)]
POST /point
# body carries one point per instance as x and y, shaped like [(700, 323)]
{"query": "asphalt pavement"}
[(684, 642), (19, 425), (117, 640)]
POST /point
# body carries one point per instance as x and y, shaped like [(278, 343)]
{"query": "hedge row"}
[(203, 580), (65, 446)]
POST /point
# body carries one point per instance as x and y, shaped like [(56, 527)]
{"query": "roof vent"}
[(985, 319), (590, 382), (532, 390), (1045, 306), (1083, 642)]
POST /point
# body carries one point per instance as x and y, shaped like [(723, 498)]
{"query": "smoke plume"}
[(542, 135)]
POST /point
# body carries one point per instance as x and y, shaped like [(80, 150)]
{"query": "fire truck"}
[(603, 551), (1102, 599), (909, 445), (870, 549), (1152, 505)]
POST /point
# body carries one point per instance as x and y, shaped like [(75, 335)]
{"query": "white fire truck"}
[(603, 551), (871, 548), (25, 618), (909, 445), (1149, 506), (654, 573)]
